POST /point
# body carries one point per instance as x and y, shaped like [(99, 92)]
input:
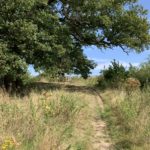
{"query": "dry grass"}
[(47, 120), (90, 82), (128, 118)]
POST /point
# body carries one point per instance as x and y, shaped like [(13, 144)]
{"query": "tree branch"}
[(127, 52), (50, 1)]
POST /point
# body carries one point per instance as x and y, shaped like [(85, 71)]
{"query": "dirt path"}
[(99, 138)]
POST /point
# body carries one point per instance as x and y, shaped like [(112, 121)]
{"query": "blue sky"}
[(103, 58)]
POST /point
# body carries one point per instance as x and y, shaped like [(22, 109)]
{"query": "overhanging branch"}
[(50, 1), (127, 52)]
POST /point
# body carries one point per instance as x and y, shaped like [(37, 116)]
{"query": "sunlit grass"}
[(43, 120), (128, 118)]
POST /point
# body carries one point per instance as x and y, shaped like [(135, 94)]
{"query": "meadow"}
[(65, 107), (58, 116), (47, 119), (128, 118), (68, 116)]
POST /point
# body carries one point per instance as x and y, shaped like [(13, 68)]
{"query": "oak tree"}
[(50, 35)]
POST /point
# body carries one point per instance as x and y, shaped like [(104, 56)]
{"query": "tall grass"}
[(90, 81), (128, 118), (41, 121)]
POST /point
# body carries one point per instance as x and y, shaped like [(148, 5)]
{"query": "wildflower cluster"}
[(8, 144), (45, 105)]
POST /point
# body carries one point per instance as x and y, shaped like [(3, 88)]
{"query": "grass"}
[(46, 120), (54, 118), (90, 81), (128, 118)]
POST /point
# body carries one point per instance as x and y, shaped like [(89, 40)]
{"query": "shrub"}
[(141, 73), (116, 75), (113, 76), (132, 84)]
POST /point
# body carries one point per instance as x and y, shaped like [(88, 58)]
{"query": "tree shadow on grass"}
[(123, 145), (41, 86)]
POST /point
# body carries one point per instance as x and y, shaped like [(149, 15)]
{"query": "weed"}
[(128, 119), (40, 122)]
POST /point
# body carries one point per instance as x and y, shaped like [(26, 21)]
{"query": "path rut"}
[(100, 139)]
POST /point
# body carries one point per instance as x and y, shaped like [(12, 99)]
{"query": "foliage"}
[(117, 75), (51, 37), (132, 84), (113, 75), (142, 73), (105, 23)]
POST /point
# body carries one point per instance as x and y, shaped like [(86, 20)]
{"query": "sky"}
[(103, 58)]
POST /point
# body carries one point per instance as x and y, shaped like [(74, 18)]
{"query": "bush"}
[(142, 73), (113, 76), (132, 84), (116, 75)]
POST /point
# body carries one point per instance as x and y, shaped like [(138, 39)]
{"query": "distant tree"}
[(142, 72), (114, 75), (51, 36)]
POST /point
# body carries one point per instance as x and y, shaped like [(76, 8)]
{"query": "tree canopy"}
[(50, 35), (105, 23)]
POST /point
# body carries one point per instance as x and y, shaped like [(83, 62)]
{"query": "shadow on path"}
[(40, 86)]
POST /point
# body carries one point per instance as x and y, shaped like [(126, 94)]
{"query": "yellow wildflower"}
[(9, 143)]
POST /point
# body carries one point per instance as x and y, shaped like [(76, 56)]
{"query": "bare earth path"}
[(99, 139)]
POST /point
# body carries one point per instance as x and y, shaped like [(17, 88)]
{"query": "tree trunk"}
[(8, 83)]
